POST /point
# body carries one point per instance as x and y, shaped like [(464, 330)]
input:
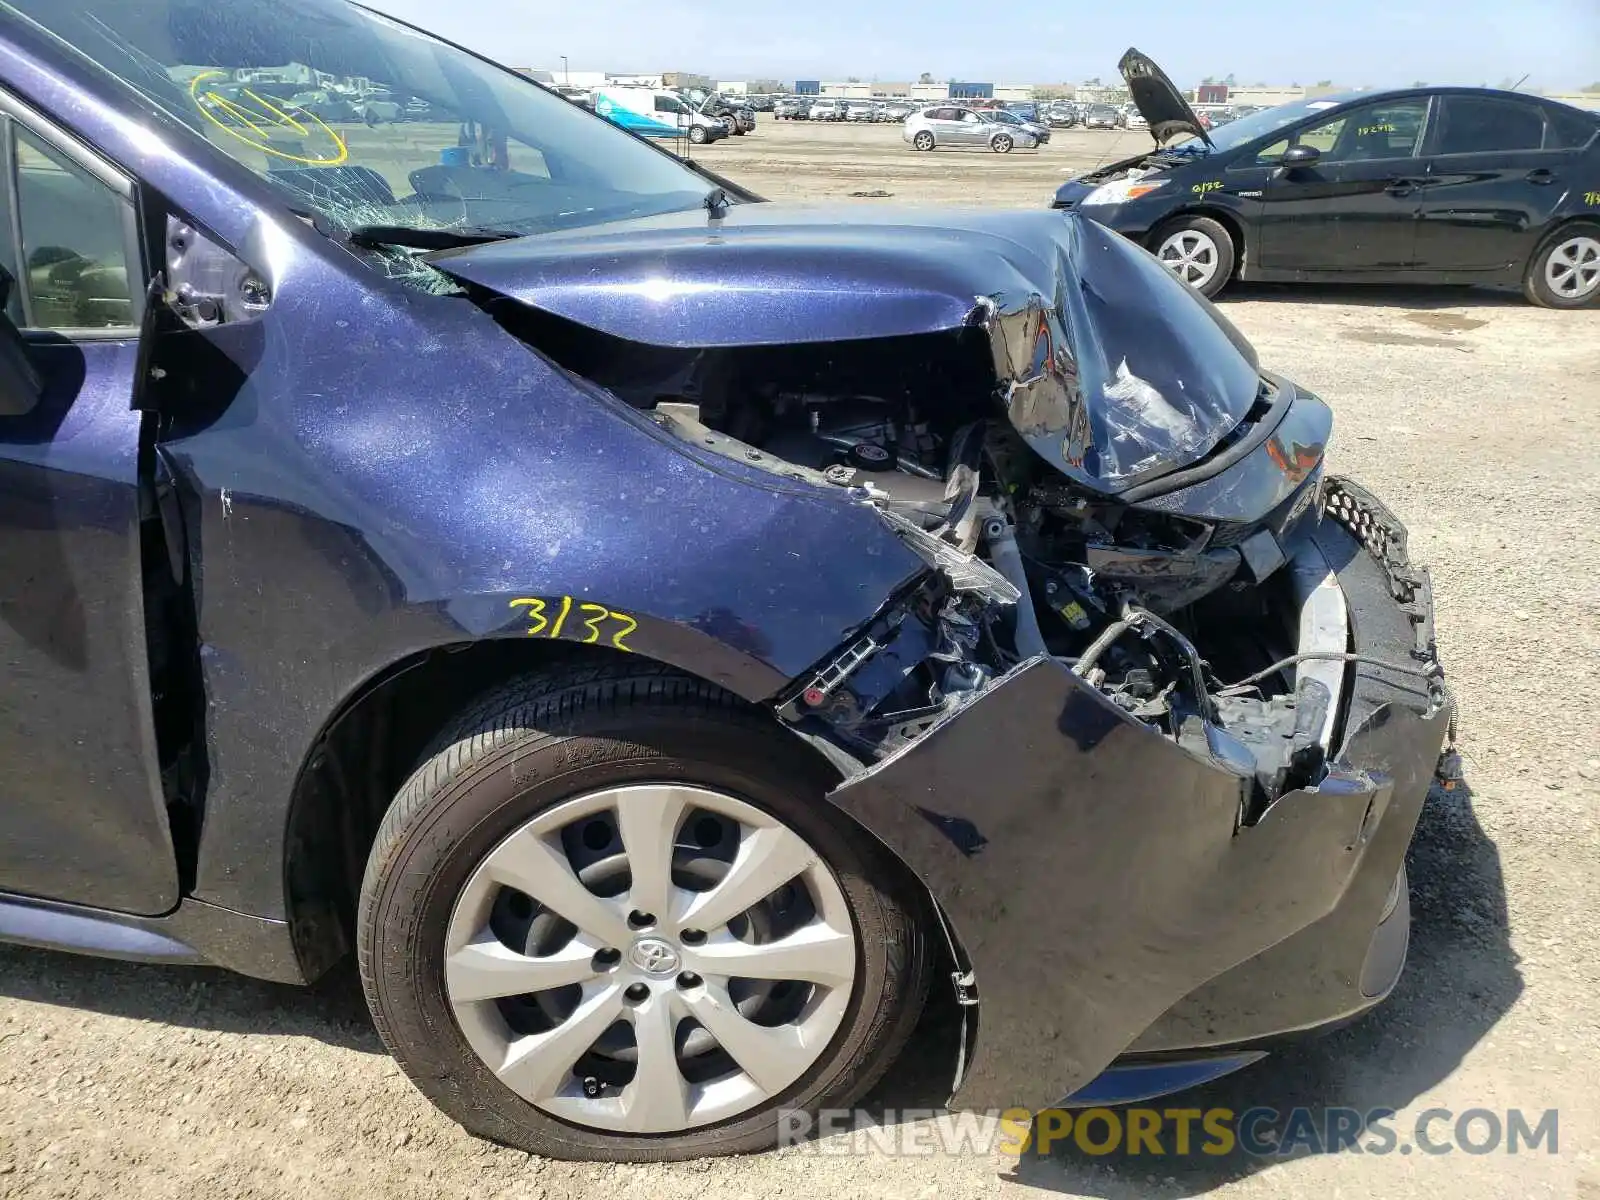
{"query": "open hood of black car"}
[(1158, 99), (1110, 368)]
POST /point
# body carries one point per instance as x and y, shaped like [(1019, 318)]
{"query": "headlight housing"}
[(1120, 191)]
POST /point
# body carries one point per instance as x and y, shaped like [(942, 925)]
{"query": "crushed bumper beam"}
[(1095, 871)]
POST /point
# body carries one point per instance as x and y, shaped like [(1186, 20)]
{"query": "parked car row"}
[(802, 108)]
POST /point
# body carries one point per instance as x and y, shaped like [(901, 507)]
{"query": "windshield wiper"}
[(425, 239)]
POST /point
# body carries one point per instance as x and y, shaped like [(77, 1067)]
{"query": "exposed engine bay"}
[(1220, 634)]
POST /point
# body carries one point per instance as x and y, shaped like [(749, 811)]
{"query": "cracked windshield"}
[(367, 122)]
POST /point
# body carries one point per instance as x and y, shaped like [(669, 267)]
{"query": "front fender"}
[(352, 501)]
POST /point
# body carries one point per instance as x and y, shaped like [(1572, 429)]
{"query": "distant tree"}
[(1419, 83), (1262, 83), (1209, 79), (925, 77), (1095, 82), (1229, 79), (1593, 87), (1294, 85), (852, 79), (763, 87), (1324, 83)]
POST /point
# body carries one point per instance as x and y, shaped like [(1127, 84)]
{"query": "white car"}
[(951, 125)]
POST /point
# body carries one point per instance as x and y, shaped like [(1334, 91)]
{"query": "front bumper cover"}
[(1096, 874)]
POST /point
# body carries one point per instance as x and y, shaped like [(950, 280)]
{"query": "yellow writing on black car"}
[(1200, 189), (1591, 197), (576, 620), (289, 133), (1366, 129)]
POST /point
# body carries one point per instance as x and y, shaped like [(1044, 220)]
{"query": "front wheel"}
[(614, 917), (923, 140), (1001, 144), (1565, 271), (697, 134), (1198, 251)]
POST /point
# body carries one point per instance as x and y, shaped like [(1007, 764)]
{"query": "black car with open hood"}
[(1420, 185)]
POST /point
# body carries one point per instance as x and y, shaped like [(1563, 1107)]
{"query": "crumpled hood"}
[(1110, 368)]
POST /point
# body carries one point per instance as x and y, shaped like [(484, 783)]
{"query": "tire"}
[(1198, 250), (594, 741), (1001, 143), (697, 134), (922, 140), (1569, 257)]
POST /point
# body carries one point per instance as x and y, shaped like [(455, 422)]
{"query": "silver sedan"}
[(950, 125)]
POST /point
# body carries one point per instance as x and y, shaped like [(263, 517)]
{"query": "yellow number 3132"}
[(584, 626)]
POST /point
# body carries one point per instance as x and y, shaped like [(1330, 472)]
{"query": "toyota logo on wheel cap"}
[(653, 956)]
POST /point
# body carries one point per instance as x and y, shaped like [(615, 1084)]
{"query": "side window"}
[(970, 117), (1479, 124), (1376, 131), (72, 266), (1568, 130)]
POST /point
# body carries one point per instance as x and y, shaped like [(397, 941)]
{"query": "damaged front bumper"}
[(1104, 894)]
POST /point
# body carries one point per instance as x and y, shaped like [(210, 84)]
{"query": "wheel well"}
[(1226, 219), (358, 763), (369, 747), (1555, 231)]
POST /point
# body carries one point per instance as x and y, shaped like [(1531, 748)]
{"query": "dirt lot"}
[(1475, 416)]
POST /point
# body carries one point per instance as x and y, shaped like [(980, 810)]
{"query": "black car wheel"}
[(1197, 250), (697, 134), (1565, 271), (923, 140), (613, 917), (1001, 143)]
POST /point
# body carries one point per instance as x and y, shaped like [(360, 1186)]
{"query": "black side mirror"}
[(21, 387), (1299, 156)]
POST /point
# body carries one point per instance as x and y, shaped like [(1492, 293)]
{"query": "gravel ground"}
[(1475, 416)]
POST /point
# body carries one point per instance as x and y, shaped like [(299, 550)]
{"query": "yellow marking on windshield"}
[(255, 127), (275, 110)]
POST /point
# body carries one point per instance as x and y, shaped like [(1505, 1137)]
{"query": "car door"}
[(945, 123), (82, 816), (1355, 209), (973, 129), (1498, 168)]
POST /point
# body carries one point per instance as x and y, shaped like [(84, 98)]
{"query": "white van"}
[(656, 113)]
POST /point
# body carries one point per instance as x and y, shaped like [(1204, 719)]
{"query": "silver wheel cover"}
[(1191, 256), (698, 960), (1572, 270)]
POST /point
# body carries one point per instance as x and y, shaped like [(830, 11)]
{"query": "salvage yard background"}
[(1475, 416)]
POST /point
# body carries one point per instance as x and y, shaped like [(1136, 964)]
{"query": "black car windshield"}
[(1258, 124), (366, 121)]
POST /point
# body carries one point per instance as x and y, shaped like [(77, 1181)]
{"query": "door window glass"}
[(1478, 124), (1569, 130), (74, 254), (1377, 131)]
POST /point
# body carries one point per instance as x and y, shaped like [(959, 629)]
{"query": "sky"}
[(1351, 42)]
